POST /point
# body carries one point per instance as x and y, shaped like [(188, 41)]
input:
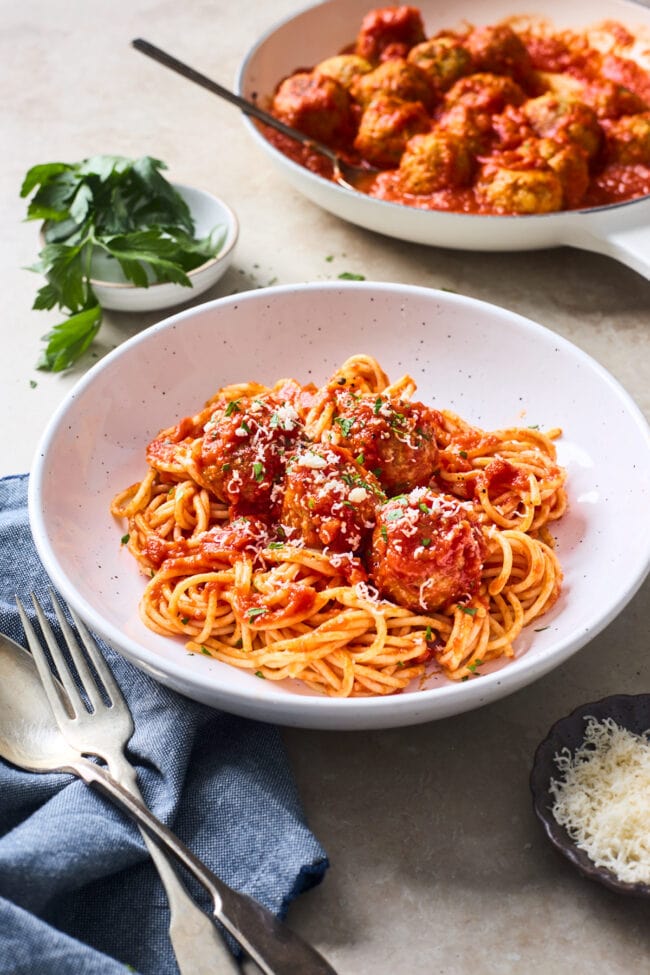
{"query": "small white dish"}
[(493, 367), (113, 291)]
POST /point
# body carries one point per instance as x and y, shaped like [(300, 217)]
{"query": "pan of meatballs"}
[(485, 127)]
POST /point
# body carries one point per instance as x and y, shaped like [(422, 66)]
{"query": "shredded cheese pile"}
[(603, 800)]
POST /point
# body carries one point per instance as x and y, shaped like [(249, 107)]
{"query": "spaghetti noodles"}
[(345, 536)]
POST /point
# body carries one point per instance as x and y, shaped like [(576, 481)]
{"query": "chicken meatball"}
[(571, 165), (565, 120), (435, 161), (388, 32), (241, 457), (610, 100), (499, 50), (397, 78), (470, 126), (329, 499), (443, 60), (519, 191), (628, 140), (386, 126), (427, 550), (393, 439), (317, 105), (344, 68), (485, 92)]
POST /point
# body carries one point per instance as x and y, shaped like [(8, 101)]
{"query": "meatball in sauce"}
[(427, 550), (330, 500), (394, 440)]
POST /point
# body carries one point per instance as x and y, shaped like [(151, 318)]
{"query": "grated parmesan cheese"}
[(603, 799)]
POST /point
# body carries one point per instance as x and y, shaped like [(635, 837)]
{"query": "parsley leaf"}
[(120, 207)]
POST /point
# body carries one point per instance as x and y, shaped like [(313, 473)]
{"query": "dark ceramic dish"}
[(628, 711)]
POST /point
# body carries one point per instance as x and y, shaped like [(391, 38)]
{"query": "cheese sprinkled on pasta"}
[(603, 799)]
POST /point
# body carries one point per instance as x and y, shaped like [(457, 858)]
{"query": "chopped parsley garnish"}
[(384, 532), (470, 610), (185, 620), (360, 458), (258, 471), (350, 276), (205, 651), (258, 673), (244, 426), (124, 539), (463, 454), (428, 634), (254, 612), (232, 407), (423, 508), (345, 424), (378, 405), (274, 545), (426, 542)]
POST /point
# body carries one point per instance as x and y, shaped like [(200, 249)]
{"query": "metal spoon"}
[(345, 173), (30, 738)]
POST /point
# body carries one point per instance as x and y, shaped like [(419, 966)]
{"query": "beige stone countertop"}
[(437, 862)]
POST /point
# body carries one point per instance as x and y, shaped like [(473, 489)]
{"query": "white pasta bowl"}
[(209, 213), (494, 368)]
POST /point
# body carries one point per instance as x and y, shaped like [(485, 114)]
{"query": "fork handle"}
[(198, 945), (267, 940)]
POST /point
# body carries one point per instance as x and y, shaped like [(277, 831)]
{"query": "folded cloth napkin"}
[(77, 891)]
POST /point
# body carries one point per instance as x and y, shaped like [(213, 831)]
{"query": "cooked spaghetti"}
[(346, 536)]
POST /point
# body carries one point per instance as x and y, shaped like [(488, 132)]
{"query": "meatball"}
[(610, 100), (393, 439), (317, 105), (628, 140), (565, 120), (427, 550), (485, 92), (571, 165), (389, 32), (498, 50), (241, 457), (443, 60), (329, 499), (519, 191), (397, 78), (344, 68), (386, 126), (470, 126), (511, 128), (434, 161)]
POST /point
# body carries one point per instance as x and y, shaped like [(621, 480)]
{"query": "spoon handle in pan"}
[(267, 940), (247, 107)]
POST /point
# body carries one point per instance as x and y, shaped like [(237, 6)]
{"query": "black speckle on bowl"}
[(630, 711)]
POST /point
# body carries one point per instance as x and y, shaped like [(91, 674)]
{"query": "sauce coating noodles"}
[(346, 536)]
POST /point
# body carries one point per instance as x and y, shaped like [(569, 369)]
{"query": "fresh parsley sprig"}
[(122, 207)]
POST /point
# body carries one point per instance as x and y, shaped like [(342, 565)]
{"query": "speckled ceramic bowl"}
[(491, 366), (628, 711)]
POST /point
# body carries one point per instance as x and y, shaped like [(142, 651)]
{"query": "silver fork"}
[(104, 732)]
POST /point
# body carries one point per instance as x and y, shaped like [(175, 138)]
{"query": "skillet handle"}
[(632, 247)]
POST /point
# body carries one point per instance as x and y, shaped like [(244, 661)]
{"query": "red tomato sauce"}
[(520, 120)]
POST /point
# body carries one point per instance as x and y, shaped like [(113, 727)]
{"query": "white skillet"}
[(621, 231)]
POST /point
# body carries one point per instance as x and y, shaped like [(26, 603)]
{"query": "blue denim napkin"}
[(78, 895)]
